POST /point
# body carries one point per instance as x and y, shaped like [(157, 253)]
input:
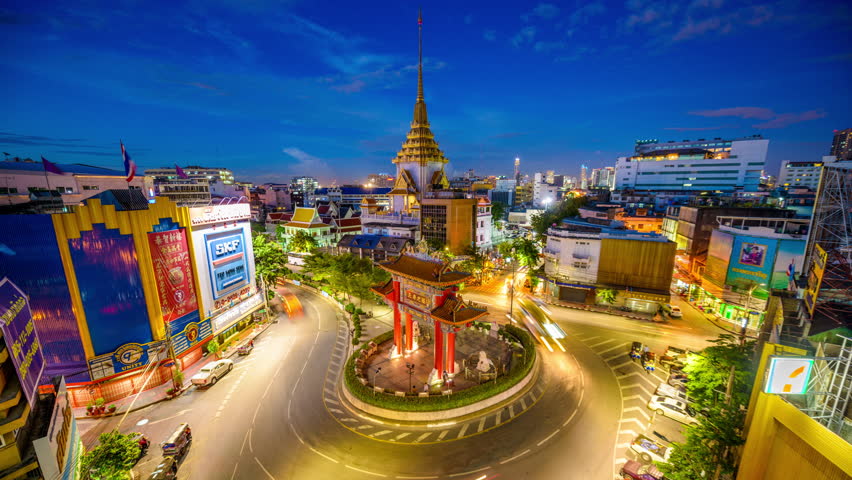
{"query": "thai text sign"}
[(59, 452), (817, 269), (173, 272), (219, 214), (21, 338), (789, 375)]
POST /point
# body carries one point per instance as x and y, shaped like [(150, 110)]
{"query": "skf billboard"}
[(21, 338), (226, 260)]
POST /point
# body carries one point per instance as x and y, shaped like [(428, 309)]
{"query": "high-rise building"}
[(802, 174), (199, 187), (584, 182), (702, 165), (517, 174), (841, 146), (602, 178), (379, 180)]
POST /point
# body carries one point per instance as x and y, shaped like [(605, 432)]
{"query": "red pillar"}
[(397, 323), (439, 348), (409, 332), (451, 352)]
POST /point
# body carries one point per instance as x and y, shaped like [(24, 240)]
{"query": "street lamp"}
[(512, 286), (410, 367), (376, 374)]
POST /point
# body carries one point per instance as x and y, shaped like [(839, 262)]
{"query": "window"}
[(8, 190), (91, 187)]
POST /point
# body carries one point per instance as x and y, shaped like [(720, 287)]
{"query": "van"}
[(178, 441)]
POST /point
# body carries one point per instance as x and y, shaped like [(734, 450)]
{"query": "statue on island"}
[(484, 365)]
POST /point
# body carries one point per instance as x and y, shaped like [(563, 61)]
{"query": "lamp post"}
[(410, 367), (512, 287), (376, 374)]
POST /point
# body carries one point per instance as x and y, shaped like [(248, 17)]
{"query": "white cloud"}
[(305, 163)]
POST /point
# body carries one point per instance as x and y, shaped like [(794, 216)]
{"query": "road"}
[(273, 417)]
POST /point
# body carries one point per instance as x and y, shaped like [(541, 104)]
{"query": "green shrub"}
[(350, 308), (444, 402)]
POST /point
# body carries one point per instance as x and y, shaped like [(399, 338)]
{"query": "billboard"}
[(815, 273), (718, 257), (21, 338), (226, 261), (173, 273), (788, 264), (188, 331), (219, 214), (789, 375), (29, 256), (59, 452), (752, 260), (107, 271), (125, 358)]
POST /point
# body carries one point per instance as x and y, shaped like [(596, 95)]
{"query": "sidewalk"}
[(594, 308), (158, 393)]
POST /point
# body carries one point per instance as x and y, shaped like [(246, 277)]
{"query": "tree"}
[(711, 446), (302, 242), (568, 207), (607, 296), (526, 252), (476, 263), (345, 273), (498, 212), (213, 348), (112, 458), (270, 261)]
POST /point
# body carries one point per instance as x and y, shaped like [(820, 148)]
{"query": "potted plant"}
[(99, 406), (170, 392), (90, 407), (112, 408)]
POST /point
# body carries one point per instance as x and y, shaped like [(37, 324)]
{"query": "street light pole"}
[(410, 367), (512, 287)]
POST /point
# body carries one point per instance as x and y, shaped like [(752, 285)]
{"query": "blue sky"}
[(276, 89)]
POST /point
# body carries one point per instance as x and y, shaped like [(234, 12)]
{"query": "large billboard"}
[(788, 264), (173, 273), (21, 338), (752, 260), (815, 273), (219, 214), (60, 451), (718, 257), (188, 331), (127, 357), (227, 261), (107, 271)]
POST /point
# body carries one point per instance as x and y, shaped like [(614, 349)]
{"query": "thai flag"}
[(180, 172), (129, 164)]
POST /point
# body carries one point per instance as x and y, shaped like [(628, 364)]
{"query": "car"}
[(649, 450), (633, 470), (673, 408), (166, 470), (246, 348), (676, 352), (677, 393), (212, 372), (675, 312)]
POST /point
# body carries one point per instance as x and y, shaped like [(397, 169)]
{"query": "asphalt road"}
[(271, 417)]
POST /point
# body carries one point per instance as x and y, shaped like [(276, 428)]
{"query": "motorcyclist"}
[(144, 443)]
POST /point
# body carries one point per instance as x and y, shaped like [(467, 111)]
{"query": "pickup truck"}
[(649, 450)]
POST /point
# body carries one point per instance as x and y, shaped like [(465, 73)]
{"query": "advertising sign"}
[(59, 452), (173, 273), (752, 259), (788, 264), (21, 338), (219, 214), (789, 375), (189, 331), (127, 357), (815, 273), (223, 321), (226, 256), (718, 257)]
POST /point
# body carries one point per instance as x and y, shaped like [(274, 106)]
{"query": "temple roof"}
[(383, 290), (455, 312), (424, 271)]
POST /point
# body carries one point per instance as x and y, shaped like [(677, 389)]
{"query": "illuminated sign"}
[(21, 338), (127, 357), (173, 273), (227, 263), (817, 269), (225, 320), (219, 214), (789, 375), (60, 450), (417, 298)]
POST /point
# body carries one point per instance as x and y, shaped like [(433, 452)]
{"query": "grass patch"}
[(413, 403)]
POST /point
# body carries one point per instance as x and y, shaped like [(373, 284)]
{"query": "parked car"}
[(672, 408), (633, 470), (677, 393), (166, 470), (246, 348), (649, 450), (649, 361), (676, 352), (212, 372), (675, 312)]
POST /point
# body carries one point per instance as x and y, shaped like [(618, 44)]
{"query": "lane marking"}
[(443, 434), (636, 385), (245, 439), (499, 417), (362, 427), (515, 457), (631, 397), (364, 471), (549, 437), (638, 409), (422, 437), (523, 404), (249, 442), (335, 410), (613, 348), (626, 420), (331, 400), (463, 429), (627, 432), (570, 418), (401, 436), (472, 471), (264, 468), (383, 432), (481, 424), (322, 455), (622, 364), (235, 470), (511, 411), (415, 478)]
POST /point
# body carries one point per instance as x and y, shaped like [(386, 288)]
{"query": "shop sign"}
[(19, 333), (125, 358), (173, 273), (227, 261), (789, 375), (191, 334), (219, 214), (223, 321), (59, 452), (817, 269)]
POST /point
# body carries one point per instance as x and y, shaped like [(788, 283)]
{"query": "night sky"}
[(276, 89)]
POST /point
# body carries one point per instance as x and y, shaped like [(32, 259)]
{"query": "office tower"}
[(802, 174), (841, 146), (584, 183), (517, 174)]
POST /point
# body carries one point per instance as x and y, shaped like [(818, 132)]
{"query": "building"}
[(375, 247), (379, 180), (482, 237), (449, 218), (516, 173), (841, 145), (582, 257), (111, 281), (307, 220), (201, 185), (304, 187), (603, 177), (25, 181), (584, 181), (702, 165), (524, 194), (802, 174), (747, 258), (350, 196), (543, 193)]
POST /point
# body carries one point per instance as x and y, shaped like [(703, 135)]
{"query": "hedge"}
[(432, 403)]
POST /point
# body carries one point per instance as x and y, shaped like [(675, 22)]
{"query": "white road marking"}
[(625, 420), (328, 390), (401, 436), (331, 400), (589, 339), (623, 445), (548, 437), (481, 424), (443, 434), (515, 457), (631, 397), (335, 410), (511, 411), (471, 471), (235, 470), (362, 427), (635, 385), (249, 442), (422, 437), (348, 419), (627, 432), (463, 429), (264, 468), (523, 404), (383, 432), (623, 364), (612, 348), (640, 410), (245, 439), (323, 456), (570, 418), (499, 417), (415, 478), (364, 471)]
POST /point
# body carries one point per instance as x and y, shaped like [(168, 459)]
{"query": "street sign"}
[(789, 375)]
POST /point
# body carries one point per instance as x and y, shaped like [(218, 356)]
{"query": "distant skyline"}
[(273, 90)]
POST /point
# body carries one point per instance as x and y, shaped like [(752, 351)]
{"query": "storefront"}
[(644, 302), (727, 308)]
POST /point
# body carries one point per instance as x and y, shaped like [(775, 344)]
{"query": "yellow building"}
[(784, 442), (451, 221)]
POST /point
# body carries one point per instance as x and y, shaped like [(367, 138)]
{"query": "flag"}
[(51, 167), (180, 172), (129, 164)]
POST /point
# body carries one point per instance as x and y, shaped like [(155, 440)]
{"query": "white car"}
[(212, 372), (674, 409), (649, 450), (675, 312), (666, 390)]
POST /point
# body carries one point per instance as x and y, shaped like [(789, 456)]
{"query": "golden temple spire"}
[(420, 116)]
